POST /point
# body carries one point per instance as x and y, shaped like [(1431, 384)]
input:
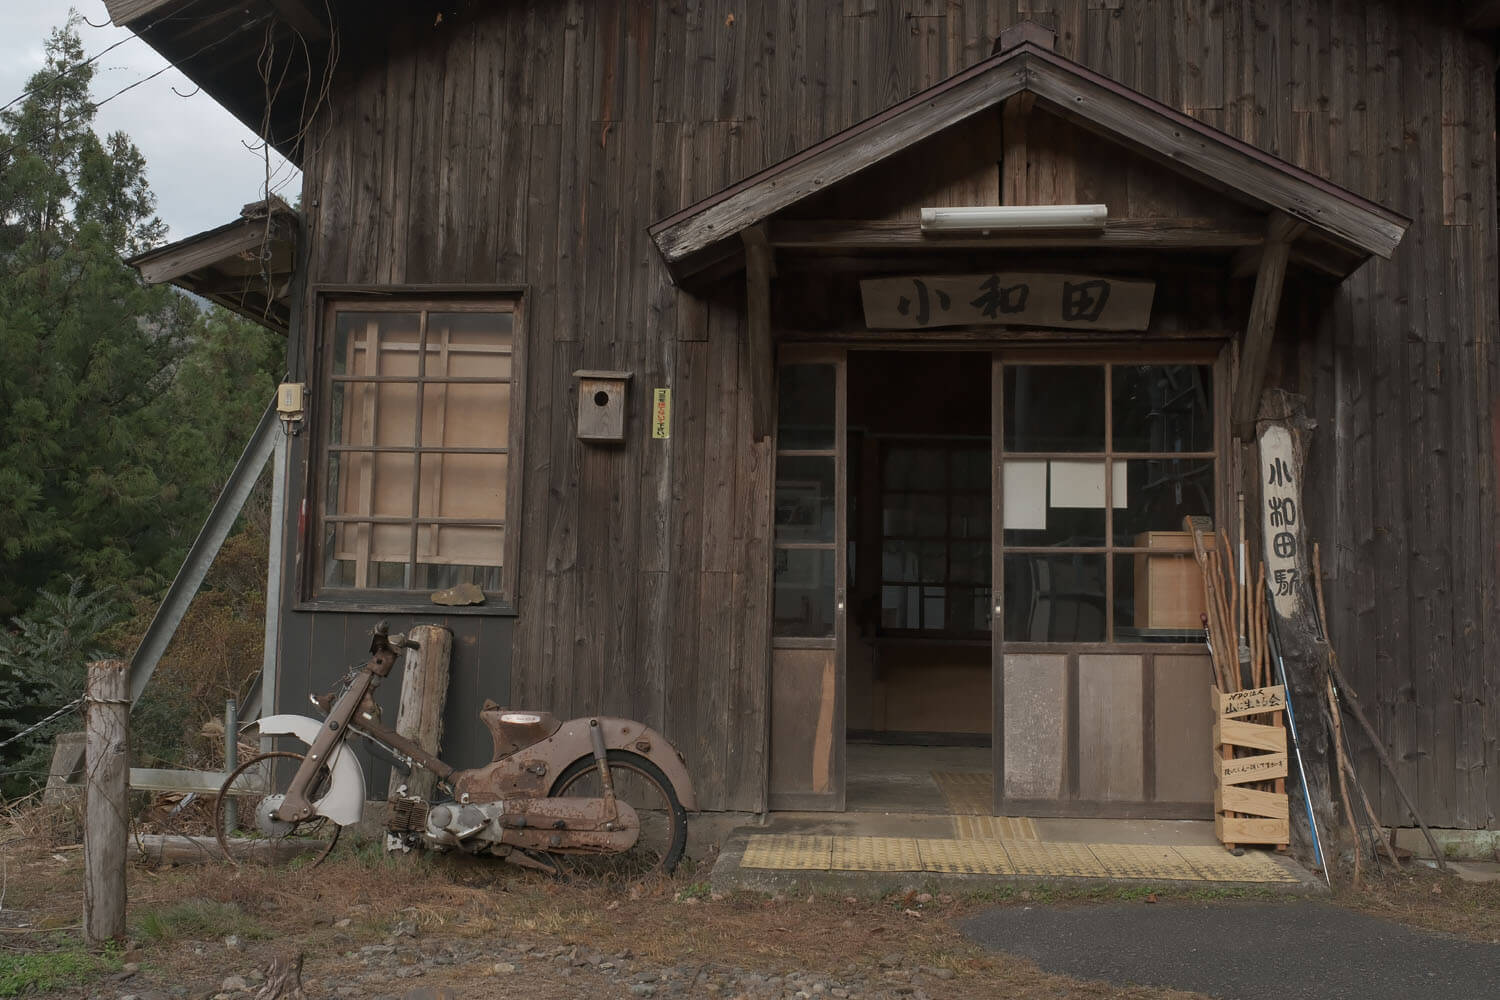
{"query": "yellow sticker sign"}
[(661, 413)]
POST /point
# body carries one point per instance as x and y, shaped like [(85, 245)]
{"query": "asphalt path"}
[(1250, 950)]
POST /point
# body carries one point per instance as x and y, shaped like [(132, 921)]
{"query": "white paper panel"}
[(1025, 484), (1081, 484)]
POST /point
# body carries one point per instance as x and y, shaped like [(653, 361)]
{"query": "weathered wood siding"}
[(533, 143)]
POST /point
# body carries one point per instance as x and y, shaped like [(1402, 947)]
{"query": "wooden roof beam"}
[(1260, 330), (760, 354)]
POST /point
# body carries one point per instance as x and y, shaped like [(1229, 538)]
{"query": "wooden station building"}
[(646, 319)]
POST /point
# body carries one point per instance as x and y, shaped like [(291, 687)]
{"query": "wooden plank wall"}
[(536, 141)]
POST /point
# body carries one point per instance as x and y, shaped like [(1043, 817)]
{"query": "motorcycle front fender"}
[(344, 802)]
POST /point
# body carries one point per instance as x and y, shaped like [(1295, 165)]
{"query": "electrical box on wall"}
[(601, 405)]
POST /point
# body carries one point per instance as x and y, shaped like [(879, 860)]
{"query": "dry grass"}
[(1424, 897), (666, 922)]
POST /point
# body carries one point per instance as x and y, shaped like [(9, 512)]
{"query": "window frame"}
[(949, 445), (332, 300), (1217, 456)]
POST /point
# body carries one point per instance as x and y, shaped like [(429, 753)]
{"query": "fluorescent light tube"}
[(984, 218)]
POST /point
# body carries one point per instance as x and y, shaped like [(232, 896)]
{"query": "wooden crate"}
[(1168, 587), (1250, 767)]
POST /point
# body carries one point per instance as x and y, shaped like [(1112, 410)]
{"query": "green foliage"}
[(42, 666), (195, 920), (123, 407), (43, 971)]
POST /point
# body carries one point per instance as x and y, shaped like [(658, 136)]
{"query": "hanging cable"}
[(70, 70)]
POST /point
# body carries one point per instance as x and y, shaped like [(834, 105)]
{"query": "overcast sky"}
[(195, 153)]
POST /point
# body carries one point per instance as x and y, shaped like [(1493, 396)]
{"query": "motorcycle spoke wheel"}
[(249, 837), (641, 783)]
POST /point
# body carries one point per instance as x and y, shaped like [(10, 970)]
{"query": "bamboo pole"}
[(106, 791), (1342, 765), (1350, 700)]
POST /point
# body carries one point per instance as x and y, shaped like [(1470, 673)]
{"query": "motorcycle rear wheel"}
[(641, 783), (245, 844)]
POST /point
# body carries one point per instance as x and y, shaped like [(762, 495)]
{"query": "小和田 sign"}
[(1070, 301)]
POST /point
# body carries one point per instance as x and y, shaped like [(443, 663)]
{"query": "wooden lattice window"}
[(417, 447)]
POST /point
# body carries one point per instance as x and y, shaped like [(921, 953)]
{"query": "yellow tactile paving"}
[(788, 852), (876, 854), (965, 857), (995, 828), (1143, 861), (1214, 864), (795, 852), (1054, 858), (969, 793)]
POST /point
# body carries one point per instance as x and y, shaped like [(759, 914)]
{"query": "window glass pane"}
[(1054, 502), (969, 562), (376, 343), (914, 468), (434, 576), (971, 468), (914, 515), (1054, 408), (899, 562), (805, 498), (900, 607), (1054, 598), (967, 609), (466, 415), (1158, 597), (367, 413), (969, 516), (1162, 407), (807, 399), (803, 595), (1159, 493)]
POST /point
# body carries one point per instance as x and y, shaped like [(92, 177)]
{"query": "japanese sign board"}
[(1069, 301), (661, 413), (1281, 519)]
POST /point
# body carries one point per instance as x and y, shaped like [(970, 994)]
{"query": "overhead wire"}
[(70, 70), (95, 105)]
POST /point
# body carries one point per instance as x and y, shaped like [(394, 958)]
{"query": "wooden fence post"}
[(424, 692), (106, 825)]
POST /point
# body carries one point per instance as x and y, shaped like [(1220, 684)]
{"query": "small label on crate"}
[(1261, 767), (1252, 701)]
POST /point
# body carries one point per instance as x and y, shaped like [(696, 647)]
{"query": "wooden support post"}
[(1281, 230), (106, 825), (759, 355), (1281, 457), (424, 692)]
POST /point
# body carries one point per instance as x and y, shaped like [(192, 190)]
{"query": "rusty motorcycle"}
[(589, 786)]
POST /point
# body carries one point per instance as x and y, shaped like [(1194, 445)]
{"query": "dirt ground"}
[(426, 927)]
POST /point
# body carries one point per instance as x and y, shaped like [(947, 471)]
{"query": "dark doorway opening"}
[(920, 512)]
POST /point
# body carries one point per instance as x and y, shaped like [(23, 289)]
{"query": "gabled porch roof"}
[(1336, 219), (245, 266)]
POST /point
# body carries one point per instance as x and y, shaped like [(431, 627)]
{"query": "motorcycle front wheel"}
[(251, 835), (641, 783)]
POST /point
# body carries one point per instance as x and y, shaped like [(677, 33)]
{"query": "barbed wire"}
[(35, 726)]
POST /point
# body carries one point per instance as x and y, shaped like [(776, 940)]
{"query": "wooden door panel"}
[(805, 738)]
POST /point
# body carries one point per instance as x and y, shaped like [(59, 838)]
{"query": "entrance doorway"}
[(984, 600), (919, 513)]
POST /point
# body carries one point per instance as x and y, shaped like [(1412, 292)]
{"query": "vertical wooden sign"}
[(1281, 518), (661, 413)]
